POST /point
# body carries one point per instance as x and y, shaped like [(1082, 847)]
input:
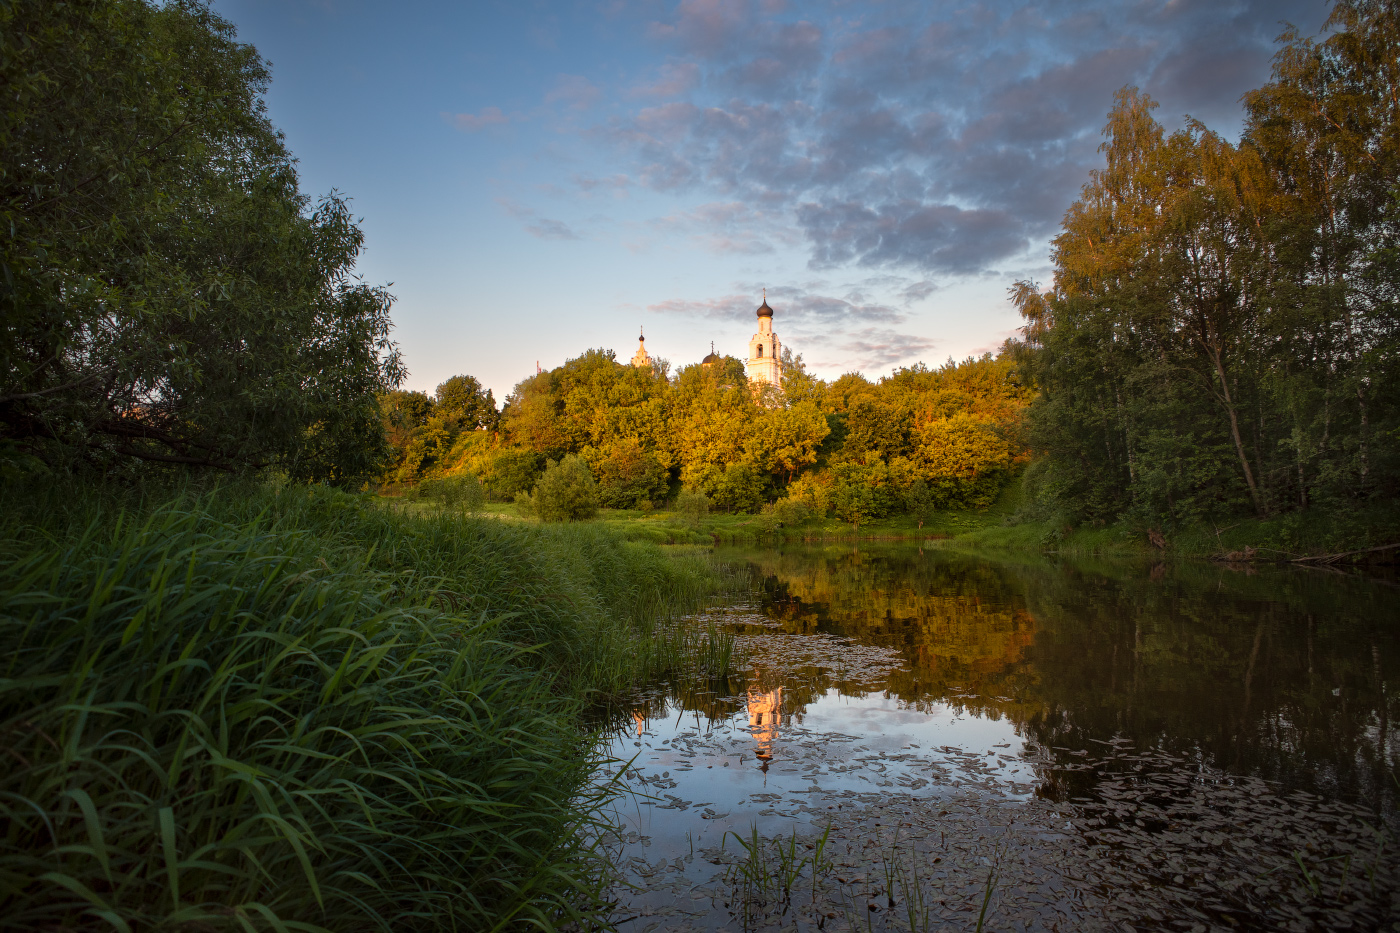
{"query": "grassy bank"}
[(664, 526), (295, 710), (1350, 535)]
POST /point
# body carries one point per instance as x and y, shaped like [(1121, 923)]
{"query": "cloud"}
[(670, 81), (471, 122), (617, 184), (943, 139), (728, 227), (545, 228), (574, 90), (872, 348), (793, 307)]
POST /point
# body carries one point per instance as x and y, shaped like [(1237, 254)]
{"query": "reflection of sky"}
[(708, 778)]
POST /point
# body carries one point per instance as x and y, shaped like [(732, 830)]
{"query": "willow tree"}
[(169, 295)]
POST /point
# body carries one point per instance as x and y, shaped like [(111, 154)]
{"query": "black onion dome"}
[(764, 310), (711, 358)]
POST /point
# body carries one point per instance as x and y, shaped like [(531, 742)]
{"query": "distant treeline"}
[(1221, 335), (920, 438)]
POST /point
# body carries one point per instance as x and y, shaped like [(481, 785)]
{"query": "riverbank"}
[(1370, 536), (1314, 536), (254, 708)]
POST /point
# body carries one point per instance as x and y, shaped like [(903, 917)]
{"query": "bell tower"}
[(765, 365)]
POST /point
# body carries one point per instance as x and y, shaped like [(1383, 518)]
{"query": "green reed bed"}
[(295, 710)]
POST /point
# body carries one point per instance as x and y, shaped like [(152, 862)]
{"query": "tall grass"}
[(263, 710)]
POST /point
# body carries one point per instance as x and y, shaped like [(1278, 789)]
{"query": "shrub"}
[(813, 490), (789, 511), (459, 491), (508, 472), (693, 504), (738, 489), (566, 492)]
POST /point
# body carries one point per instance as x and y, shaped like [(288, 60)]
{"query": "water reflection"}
[(1278, 673), (1115, 725), (765, 716)]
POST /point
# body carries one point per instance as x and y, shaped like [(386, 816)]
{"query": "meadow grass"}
[(294, 710)]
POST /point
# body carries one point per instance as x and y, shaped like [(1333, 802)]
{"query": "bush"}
[(693, 504), (508, 472), (566, 492), (460, 491), (791, 511), (738, 489)]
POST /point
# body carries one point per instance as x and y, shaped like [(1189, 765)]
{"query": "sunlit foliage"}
[(919, 439)]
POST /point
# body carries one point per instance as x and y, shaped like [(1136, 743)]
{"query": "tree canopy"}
[(169, 294), (1221, 333), (921, 438)]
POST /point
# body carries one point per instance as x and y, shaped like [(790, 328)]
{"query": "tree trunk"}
[(1362, 451), (1235, 431)]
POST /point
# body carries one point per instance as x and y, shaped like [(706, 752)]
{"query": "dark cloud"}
[(935, 137)]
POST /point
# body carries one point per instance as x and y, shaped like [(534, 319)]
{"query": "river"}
[(920, 739)]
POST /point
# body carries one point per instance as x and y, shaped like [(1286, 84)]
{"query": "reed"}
[(294, 710)]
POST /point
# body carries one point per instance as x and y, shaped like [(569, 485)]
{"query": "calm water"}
[(1045, 692)]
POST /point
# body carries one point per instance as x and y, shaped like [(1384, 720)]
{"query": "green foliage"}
[(170, 296), (693, 504), (459, 491), (629, 476), (1222, 334), (265, 711), (566, 492), (919, 501), (957, 428), (788, 512), (860, 492), (470, 406), (507, 472)]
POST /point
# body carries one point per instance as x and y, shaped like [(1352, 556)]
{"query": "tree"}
[(169, 294), (566, 492), (919, 501), (463, 399), (628, 475)]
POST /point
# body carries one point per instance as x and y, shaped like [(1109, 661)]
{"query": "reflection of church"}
[(765, 362), (765, 716)]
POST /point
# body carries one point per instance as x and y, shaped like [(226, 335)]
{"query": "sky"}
[(538, 179)]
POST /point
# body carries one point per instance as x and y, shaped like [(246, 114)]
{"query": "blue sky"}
[(536, 179)]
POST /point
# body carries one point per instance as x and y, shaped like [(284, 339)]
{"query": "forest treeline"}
[(918, 439), (1219, 340), (1221, 334)]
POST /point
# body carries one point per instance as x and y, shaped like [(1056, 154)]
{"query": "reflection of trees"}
[(1241, 669), (1282, 675)]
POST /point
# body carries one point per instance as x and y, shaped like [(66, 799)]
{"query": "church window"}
[(760, 349)]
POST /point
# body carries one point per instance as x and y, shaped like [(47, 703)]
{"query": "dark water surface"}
[(1189, 746)]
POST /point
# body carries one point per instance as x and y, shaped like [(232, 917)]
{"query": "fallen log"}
[(1333, 558)]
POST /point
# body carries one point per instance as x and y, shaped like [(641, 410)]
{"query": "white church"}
[(765, 363)]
